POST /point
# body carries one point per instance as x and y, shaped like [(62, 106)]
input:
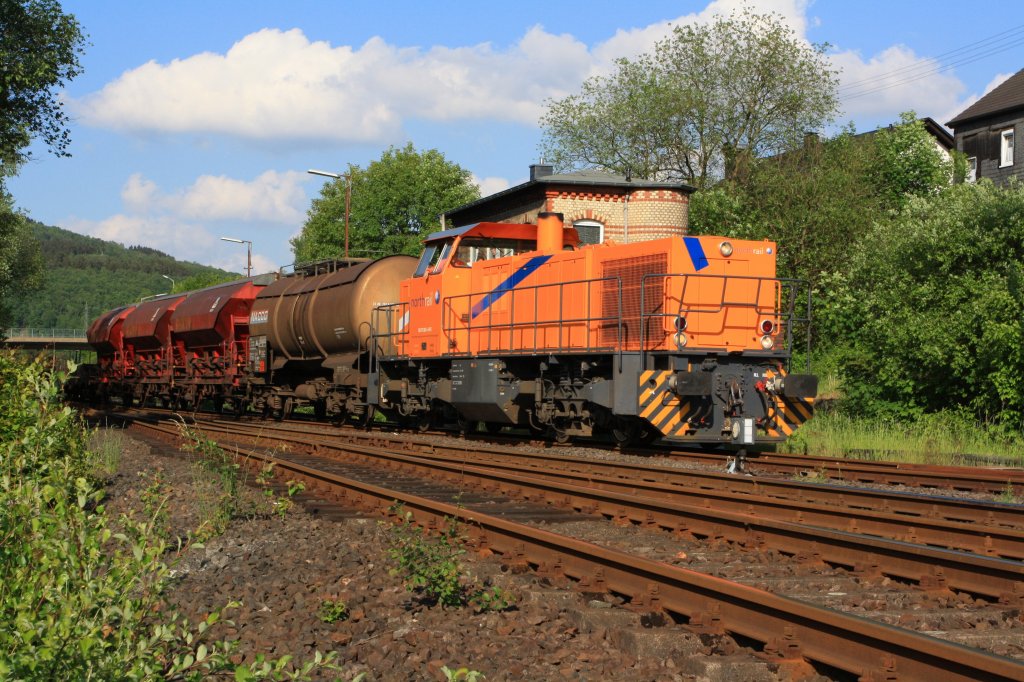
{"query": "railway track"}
[(656, 585)]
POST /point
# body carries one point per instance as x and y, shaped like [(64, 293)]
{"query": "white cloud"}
[(490, 185), (272, 197), (893, 81), (279, 85), (181, 222), (165, 233)]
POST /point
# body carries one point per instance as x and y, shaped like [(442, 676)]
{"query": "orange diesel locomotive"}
[(497, 324), (683, 338)]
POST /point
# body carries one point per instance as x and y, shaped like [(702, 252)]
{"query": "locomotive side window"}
[(473, 249)]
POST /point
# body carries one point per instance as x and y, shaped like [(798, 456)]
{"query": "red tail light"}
[(767, 326)]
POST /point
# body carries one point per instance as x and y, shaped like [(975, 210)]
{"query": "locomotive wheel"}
[(560, 436), (624, 433), (466, 426)]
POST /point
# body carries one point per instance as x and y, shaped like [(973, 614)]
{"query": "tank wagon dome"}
[(314, 317)]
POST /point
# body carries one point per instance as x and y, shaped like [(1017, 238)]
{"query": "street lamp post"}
[(348, 195), (248, 251), (172, 281)]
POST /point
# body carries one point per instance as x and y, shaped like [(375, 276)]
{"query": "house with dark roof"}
[(986, 132), (599, 205)]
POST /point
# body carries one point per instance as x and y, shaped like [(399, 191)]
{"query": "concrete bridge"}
[(38, 338)]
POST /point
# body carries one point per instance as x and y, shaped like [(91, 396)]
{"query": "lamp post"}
[(248, 251), (172, 281), (348, 195)]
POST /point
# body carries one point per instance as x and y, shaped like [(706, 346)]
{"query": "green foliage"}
[(430, 565), (78, 599), (906, 162), (106, 446), (39, 48), (491, 598), (20, 260), (395, 202), (154, 503), (707, 100), (215, 481), (84, 276), (462, 675), (201, 280), (332, 610), (929, 309)]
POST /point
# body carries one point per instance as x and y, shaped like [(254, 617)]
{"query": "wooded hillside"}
[(83, 276)]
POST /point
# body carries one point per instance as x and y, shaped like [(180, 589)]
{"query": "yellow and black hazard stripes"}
[(789, 413), (691, 417), (661, 407)]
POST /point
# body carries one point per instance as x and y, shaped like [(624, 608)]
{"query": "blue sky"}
[(196, 120)]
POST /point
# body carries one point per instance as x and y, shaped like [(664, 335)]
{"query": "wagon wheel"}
[(493, 428), (424, 422)]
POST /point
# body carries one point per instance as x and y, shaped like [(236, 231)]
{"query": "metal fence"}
[(42, 333)]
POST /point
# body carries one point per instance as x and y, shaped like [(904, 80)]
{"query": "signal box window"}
[(972, 169), (1006, 148), (590, 231)]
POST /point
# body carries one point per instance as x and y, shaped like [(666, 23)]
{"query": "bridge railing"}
[(43, 333)]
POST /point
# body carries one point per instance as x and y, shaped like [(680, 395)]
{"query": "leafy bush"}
[(930, 309), (429, 565), (79, 600)]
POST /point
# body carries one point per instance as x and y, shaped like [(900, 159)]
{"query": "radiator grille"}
[(631, 272)]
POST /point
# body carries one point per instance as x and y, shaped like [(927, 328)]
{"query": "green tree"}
[(817, 201), (39, 50), (706, 101), (20, 259), (395, 202), (907, 162), (202, 280), (929, 310), (813, 202)]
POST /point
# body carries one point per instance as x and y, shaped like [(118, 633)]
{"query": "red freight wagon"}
[(210, 337)]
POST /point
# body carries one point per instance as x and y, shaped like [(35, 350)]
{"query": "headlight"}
[(725, 248), (767, 342), (680, 339)]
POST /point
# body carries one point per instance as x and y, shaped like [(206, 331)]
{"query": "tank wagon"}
[(684, 339)]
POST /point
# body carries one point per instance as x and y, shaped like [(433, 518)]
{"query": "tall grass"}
[(942, 438)]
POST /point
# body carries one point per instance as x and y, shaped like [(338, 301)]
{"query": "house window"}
[(590, 231), (1006, 148), (972, 169)]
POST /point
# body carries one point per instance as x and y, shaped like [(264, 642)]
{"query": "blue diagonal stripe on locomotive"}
[(696, 250), (509, 284)]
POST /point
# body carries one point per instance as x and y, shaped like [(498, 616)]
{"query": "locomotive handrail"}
[(535, 323), (785, 312)]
